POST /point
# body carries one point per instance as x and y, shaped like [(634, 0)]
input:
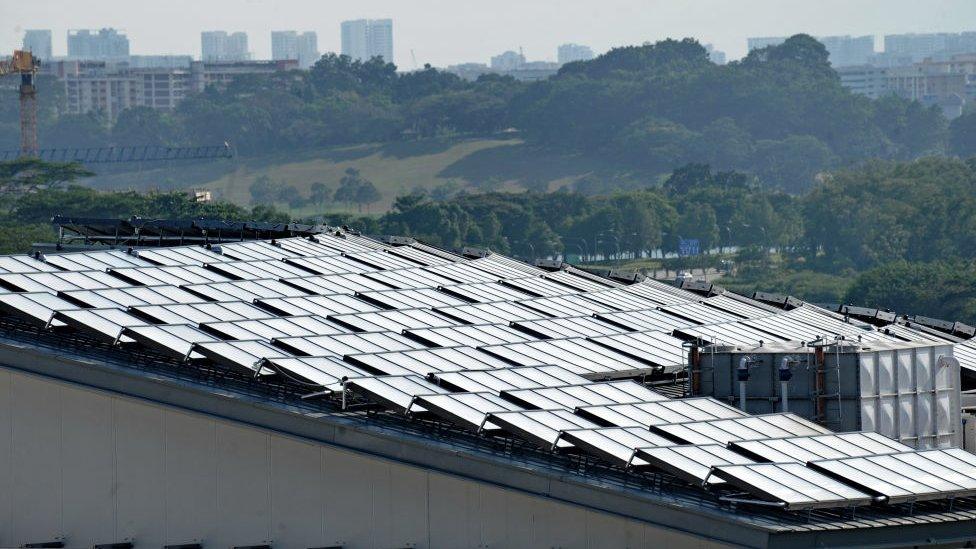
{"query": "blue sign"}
[(689, 246)]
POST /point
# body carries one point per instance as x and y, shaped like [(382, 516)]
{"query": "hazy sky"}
[(443, 32)]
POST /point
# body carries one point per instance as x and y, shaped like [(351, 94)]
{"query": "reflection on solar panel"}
[(576, 355), (130, 297), (577, 326), (692, 463), (324, 372), (410, 299), (175, 276), (484, 292), (270, 328), (617, 445), (654, 348), (349, 283), (467, 335), (427, 361), (794, 485), (724, 431), (92, 261), (468, 410), (245, 290), (347, 344), (173, 339), (490, 313), (253, 270), (508, 378), (321, 305), (649, 320), (657, 413), (394, 392), (24, 264), (393, 321), (571, 397), (196, 313), (811, 448), (907, 476), (541, 427)]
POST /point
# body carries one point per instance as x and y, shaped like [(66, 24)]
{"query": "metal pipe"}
[(785, 374), (742, 372)]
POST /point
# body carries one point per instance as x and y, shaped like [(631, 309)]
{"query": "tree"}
[(289, 194), (320, 193), (263, 190), (366, 194), (348, 186), (140, 126), (27, 175), (962, 135)]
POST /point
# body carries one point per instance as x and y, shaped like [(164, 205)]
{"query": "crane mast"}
[(25, 64)]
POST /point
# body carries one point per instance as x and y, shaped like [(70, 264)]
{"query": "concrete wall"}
[(99, 468)]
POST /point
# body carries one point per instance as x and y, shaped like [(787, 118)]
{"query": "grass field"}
[(395, 168)]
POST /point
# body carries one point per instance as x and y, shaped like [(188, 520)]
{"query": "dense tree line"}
[(779, 114)]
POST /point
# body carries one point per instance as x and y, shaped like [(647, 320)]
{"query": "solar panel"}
[(661, 412), (309, 246), (410, 278), (59, 281), (106, 324), (244, 290), (794, 485), (468, 410), (93, 260), (692, 464), (409, 299), (660, 294), (427, 361), (506, 267), (131, 297), (381, 260), (965, 352), (538, 286), (571, 397), (733, 333), (325, 372), (576, 355), (739, 307), (348, 283), (253, 270), (701, 314), (418, 256), (256, 250), (181, 255), (490, 313), (654, 348), (345, 243), (817, 447), (648, 320), (504, 379), (484, 292), (620, 300), (321, 305), (275, 327), (577, 326), (541, 427), (394, 321), (248, 355), (467, 335), (173, 276), (578, 282), (724, 431), (197, 313), (616, 445), (347, 344), (38, 307), (24, 264), (394, 392), (463, 272), (907, 476), (174, 339), (567, 305)]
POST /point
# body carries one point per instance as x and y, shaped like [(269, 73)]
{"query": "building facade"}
[(292, 45), (97, 45), (919, 46), (38, 42), (844, 50), (567, 53), (507, 61), (364, 39), (218, 46)]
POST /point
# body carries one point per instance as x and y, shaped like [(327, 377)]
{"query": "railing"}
[(114, 155)]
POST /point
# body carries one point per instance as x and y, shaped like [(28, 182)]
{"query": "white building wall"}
[(93, 467)]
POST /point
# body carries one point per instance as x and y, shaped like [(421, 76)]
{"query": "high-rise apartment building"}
[(567, 53), (292, 45), (844, 50), (508, 61), (364, 39), (935, 45), (221, 46), (38, 41), (101, 44), (715, 56)]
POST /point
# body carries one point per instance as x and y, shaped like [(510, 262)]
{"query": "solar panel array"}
[(489, 344)]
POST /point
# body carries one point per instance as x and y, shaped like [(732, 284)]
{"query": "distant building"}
[(567, 53), (160, 61), (865, 80), (109, 88), (935, 45), (844, 50), (508, 61), (219, 46), (714, 55), (528, 71), (364, 39), (38, 41), (97, 45), (292, 45)]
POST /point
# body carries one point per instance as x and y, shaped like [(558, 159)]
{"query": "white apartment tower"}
[(364, 39), (302, 47), (38, 42), (221, 46)]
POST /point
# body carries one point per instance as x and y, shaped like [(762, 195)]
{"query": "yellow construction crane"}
[(25, 64)]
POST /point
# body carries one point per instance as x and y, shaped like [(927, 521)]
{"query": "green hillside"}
[(396, 168)]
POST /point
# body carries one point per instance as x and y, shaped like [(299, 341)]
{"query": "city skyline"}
[(472, 31)]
